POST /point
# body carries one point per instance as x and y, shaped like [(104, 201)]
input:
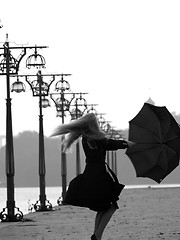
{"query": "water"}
[(25, 197), (153, 186)]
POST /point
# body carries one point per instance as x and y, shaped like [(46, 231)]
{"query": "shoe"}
[(93, 237)]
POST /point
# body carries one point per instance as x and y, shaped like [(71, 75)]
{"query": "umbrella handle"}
[(130, 143)]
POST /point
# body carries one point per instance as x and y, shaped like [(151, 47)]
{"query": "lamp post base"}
[(45, 206), (60, 201), (9, 217)]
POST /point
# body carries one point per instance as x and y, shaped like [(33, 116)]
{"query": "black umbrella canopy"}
[(157, 137)]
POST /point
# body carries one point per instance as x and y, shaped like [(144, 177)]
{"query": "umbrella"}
[(157, 137)]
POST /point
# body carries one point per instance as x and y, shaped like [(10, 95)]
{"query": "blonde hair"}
[(86, 125)]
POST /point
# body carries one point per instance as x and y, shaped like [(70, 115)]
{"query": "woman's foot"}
[(93, 237)]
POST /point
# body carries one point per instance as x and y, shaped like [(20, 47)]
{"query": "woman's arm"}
[(112, 144)]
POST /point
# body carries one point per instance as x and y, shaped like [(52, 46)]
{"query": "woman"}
[(94, 187)]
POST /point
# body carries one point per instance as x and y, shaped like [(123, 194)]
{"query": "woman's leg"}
[(101, 221), (98, 220)]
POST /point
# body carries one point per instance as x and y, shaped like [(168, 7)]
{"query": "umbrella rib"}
[(172, 138)]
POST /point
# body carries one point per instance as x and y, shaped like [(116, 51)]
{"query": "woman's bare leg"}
[(101, 221), (98, 220)]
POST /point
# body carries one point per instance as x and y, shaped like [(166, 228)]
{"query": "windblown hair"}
[(86, 125)]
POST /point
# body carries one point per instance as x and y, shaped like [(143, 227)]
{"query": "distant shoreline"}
[(128, 186), (175, 185)]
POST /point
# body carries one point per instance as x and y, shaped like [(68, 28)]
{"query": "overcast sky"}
[(120, 52)]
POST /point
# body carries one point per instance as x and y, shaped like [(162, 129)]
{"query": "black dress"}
[(93, 188)]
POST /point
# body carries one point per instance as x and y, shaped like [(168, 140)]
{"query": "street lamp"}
[(101, 121), (62, 106), (35, 60), (9, 65), (116, 135), (39, 89), (91, 109), (18, 86), (113, 153), (106, 128), (80, 105)]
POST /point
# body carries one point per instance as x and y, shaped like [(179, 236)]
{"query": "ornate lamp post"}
[(113, 153), (101, 121), (110, 133), (116, 135), (80, 107), (91, 109), (39, 89), (9, 65), (62, 106), (106, 128)]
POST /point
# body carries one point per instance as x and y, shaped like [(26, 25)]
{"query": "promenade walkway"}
[(143, 214)]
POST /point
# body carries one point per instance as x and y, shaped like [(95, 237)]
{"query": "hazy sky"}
[(120, 52)]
